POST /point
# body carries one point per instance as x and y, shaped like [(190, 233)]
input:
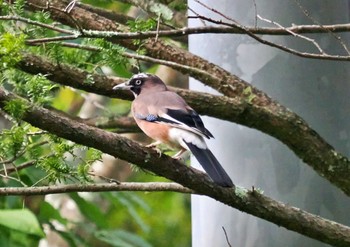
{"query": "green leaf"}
[(12, 141), (22, 220), (249, 94), (38, 88), (16, 108), (139, 25), (178, 5), (129, 205), (89, 210), (5, 9), (48, 212), (120, 238), (18, 7), (10, 49), (55, 165)]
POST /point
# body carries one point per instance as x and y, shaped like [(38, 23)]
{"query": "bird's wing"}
[(169, 108), (185, 119)]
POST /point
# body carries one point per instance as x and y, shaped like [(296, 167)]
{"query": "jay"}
[(165, 117)]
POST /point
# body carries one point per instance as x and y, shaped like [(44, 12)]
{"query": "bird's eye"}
[(138, 82)]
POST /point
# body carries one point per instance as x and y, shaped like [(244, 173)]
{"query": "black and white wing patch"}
[(188, 120)]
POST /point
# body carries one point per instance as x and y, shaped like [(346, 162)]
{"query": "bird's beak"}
[(122, 86)]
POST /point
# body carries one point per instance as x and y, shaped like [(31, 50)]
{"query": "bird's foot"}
[(180, 155), (154, 145)]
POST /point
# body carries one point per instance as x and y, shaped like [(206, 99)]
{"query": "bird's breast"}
[(156, 131)]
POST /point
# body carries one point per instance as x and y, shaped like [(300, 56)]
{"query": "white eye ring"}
[(138, 82)]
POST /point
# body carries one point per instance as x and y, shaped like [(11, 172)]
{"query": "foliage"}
[(16, 107), (21, 220), (140, 25), (32, 157), (10, 48)]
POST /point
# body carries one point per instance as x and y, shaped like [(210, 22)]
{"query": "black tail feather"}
[(211, 165)]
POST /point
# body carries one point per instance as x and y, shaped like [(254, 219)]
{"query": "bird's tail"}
[(211, 165)]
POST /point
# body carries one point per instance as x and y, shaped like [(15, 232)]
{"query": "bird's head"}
[(142, 83)]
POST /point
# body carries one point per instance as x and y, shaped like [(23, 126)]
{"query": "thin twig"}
[(256, 14), (20, 153), (294, 34), (53, 39), (48, 7), (4, 169), (15, 179), (82, 47), (19, 167), (227, 240), (77, 25), (173, 65), (42, 179), (70, 6), (107, 179), (306, 13), (217, 12), (36, 23), (158, 23), (281, 47), (132, 186), (194, 12)]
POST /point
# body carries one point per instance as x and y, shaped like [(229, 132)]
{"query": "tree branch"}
[(251, 202), (36, 23), (58, 189), (185, 31)]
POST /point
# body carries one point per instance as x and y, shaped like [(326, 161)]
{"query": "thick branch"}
[(273, 119), (250, 202)]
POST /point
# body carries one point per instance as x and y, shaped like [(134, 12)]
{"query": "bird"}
[(164, 116)]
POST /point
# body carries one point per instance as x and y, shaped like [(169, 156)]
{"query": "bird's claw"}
[(179, 158), (180, 155), (155, 148), (153, 144)]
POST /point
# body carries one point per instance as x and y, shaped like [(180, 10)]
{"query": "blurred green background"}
[(31, 157)]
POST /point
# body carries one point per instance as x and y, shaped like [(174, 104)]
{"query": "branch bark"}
[(251, 202)]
